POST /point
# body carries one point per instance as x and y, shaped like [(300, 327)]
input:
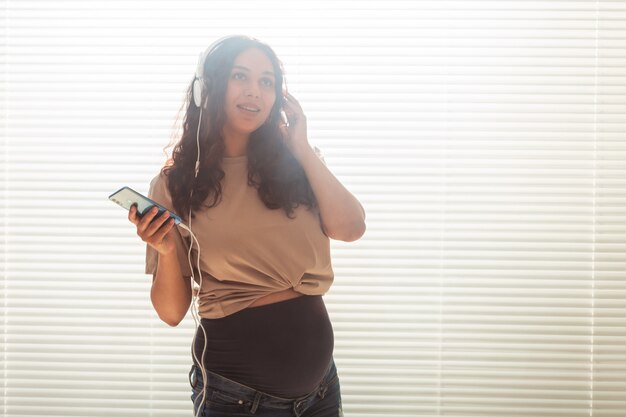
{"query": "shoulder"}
[(158, 179), (159, 187)]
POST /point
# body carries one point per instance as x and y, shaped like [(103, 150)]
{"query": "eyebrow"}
[(248, 69)]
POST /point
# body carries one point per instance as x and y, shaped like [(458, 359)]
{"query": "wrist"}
[(166, 252), (302, 151)]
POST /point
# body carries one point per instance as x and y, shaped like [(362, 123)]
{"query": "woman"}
[(262, 205)]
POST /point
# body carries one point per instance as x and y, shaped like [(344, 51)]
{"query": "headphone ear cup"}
[(200, 92), (197, 92)]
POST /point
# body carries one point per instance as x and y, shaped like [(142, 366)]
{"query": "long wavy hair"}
[(272, 169)]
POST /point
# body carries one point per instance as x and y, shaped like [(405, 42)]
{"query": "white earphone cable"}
[(195, 310)]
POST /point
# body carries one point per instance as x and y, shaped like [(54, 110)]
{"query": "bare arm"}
[(343, 217), (170, 293)]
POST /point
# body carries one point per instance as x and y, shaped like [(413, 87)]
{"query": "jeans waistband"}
[(255, 397)]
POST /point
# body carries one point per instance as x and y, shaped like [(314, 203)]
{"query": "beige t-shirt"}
[(247, 251)]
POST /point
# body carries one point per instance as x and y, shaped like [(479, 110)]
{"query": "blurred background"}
[(485, 139)]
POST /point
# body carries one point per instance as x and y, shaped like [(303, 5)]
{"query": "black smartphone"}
[(125, 197)]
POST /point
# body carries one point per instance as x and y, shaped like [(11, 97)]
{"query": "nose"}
[(251, 90)]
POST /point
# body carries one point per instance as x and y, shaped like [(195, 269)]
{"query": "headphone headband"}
[(199, 82)]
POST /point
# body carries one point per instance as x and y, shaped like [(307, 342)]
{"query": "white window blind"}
[(485, 139)]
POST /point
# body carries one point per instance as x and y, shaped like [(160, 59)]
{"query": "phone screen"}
[(125, 197)]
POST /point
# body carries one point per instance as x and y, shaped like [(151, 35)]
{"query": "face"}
[(250, 93)]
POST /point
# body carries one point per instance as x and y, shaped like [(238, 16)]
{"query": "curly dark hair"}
[(272, 169)]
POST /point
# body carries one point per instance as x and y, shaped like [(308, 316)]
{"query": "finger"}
[(291, 100), (293, 113), (287, 106), (132, 214), (289, 110), (157, 222), (290, 96), (284, 130), (146, 219), (163, 231)]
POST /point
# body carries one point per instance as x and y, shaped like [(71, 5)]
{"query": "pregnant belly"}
[(283, 348)]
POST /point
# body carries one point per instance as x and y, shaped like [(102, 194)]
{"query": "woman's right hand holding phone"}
[(154, 230)]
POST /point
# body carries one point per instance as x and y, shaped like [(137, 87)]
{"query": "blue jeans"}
[(224, 397)]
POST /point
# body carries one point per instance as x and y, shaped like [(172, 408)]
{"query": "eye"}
[(266, 82), (239, 76)]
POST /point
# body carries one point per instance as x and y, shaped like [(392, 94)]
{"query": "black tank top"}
[(282, 349)]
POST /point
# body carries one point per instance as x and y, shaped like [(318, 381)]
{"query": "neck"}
[(235, 143)]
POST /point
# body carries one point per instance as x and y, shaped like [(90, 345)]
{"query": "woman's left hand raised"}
[(294, 135)]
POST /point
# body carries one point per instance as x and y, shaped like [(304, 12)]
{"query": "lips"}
[(251, 108)]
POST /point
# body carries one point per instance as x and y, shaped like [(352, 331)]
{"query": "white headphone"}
[(199, 90), (199, 82)]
